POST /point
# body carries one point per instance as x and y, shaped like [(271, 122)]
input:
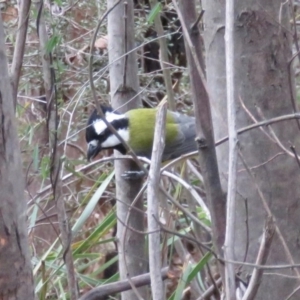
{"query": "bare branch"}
[(290, 69), (210, 291), (164, 58), (230, 287), (293, 148), (20, 46), (292, 293), (262, 256), (155, 259), (121, 286), (204, 126)]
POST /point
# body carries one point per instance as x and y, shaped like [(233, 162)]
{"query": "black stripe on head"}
[(90, 133), (117, 124)]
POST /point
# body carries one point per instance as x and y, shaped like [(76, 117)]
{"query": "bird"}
[(136, 127)]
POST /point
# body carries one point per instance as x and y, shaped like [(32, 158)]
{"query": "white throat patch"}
[(112, 140), (100, 126)]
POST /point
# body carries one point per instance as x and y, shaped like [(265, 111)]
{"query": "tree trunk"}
[(124, 85), (16, 280), (262, 50)]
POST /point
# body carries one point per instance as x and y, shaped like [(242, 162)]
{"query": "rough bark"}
[(16, 281), (262, 50), (124, 85)]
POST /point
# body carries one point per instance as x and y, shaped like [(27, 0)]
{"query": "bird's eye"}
[(93, 144)]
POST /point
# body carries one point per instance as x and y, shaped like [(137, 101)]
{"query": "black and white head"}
[(99, 137)]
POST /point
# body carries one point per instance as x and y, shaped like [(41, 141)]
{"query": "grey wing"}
[(185, 141)]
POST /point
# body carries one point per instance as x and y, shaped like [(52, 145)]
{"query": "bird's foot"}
[(133, 175)]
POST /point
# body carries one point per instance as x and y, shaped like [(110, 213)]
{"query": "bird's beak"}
[(92, 151)]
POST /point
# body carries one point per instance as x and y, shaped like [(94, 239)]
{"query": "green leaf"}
[(154, 13), (31, 133), (62, 291), (52, 43), (199, 266), (45, 167), (105, 266), (189, 273), (35, 157), (58, 2), (183, 281), (33, 216), (102, 229), (92, 203)]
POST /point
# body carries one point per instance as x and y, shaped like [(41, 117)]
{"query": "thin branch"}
[(262, 256), (254, 119), (265, 162), (211, 290), (125, 43), (295, 34), (230, 286), (18, 55), (191, 190), (155, 259), (292, 293), (274, 137), (186, 211), (269, 213), (204, 126), (262, 123), (291, 71), (187, 237), (195, 25), (121, 286), (191, 45), (247, 229), (293, 148), (239, 263), (263, 267), (271, 135), (164, 58)]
